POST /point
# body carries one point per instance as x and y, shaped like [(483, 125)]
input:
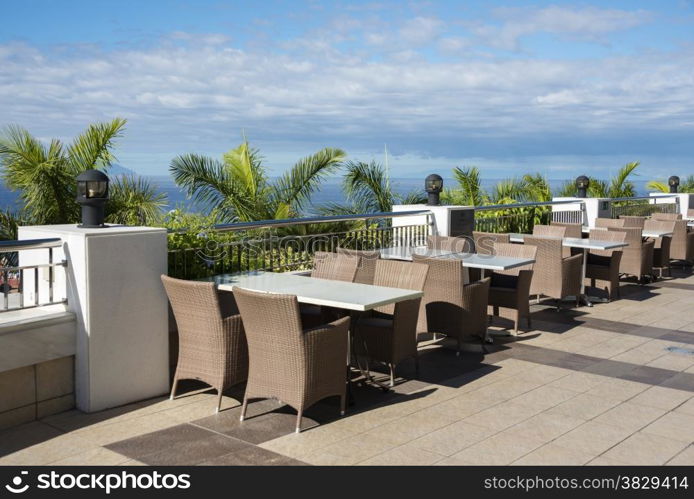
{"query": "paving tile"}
[(405, 455), (579, 382), (553, 455), (645, 449), (546, 426), (592, 437), (453, 438), (617, 389), (686, 408), (673, 362), (26, 435), (255, 429), (584, 406), (358, 447), (502, 416), (104, 434), (648, 375), (499, 449), (684, 458), (680, 381), (96, 456), (630, 416), (409, 428), (674, 425), (252, 456), (662, 398), (299, 445), (47, 451), (180, 445), (544, 397)]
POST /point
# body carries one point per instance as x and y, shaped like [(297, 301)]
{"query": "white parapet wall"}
[(446, 220), (114, 288), (594, 208), (685, 200)]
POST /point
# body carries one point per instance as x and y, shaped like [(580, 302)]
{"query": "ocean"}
[(329, 192)]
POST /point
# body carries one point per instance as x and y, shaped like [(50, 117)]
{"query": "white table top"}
[(470, 260), (575, 242), (645, 233), (339, 294)]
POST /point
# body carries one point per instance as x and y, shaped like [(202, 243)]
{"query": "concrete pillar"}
[(455, 221), (113, 287), (594, 208)]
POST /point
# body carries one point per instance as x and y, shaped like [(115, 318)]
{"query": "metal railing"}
[(524, 216), (643, 206), (13, 277), (279, 245)]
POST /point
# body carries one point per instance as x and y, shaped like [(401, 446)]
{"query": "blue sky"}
[(563, 88)]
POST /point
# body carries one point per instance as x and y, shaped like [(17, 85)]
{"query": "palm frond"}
[(468, 179), (208, 182), (656, 186), (92, 148), (508, 191), (295, 187), (133, 200), (620, 185), (366, 186), (246, 168), (537, 188)]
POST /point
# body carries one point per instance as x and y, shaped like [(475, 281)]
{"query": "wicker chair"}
[(666, 216), (485, 241), (510, 289), (331, 266), (661, 245), (484, 245), (211, 345), (553, 275), (448, 243), (549, 231), (367, 263), (572, 230), (633, 221), (609, 222), (603, 266), (334, 266), (450, 306), (682, 246), (389, 334), (637, 258), (295, 365)]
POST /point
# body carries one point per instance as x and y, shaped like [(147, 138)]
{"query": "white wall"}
[(115, 291)]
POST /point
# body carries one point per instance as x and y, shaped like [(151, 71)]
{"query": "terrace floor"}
[(584, 386)]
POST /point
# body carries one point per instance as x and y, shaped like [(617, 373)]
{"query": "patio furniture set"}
[(303, 337)]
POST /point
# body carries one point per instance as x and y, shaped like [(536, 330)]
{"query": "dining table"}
[(584, 244), (654, 234), (469, 260), (351, 296)]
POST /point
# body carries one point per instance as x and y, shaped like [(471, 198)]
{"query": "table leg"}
[(584, 296)]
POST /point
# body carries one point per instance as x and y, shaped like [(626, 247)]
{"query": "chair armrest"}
[(572, 268)]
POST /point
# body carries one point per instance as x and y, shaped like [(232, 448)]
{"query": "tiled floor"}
[(584, 386)]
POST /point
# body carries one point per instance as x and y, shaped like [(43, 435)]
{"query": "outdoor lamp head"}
[(92, 194), (582, 184), (674, 183), (433, 185)]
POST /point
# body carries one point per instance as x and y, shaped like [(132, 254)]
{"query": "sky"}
[(561, 88)]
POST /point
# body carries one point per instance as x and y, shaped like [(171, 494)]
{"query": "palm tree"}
[(368, 190), (619, 186), (133, 201), (45, 175), (470, 192), (686, 185), (237, 187)]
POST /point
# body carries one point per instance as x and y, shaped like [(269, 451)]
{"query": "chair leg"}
[(173, 388), (343, 403), (392, 375), (529, 322), (219, 400), (300, 413), (243, 408), (416, 366)]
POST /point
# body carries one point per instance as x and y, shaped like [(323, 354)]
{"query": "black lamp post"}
[(674, 183), (582, 184), (433, 185), (92, 194)]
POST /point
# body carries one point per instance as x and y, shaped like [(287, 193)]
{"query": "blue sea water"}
[(329, 192)]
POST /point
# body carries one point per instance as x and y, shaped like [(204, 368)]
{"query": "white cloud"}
[(585, 23), (192, 96)]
